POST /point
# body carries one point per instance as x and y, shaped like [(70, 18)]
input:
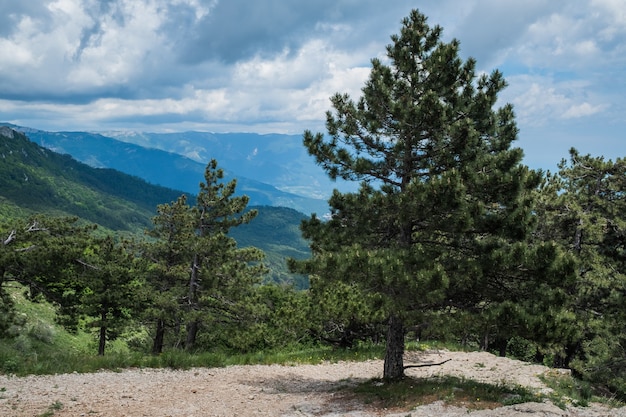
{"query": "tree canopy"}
[(582, 208), (444, 213)]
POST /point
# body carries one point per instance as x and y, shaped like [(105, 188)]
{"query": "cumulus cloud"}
[(542, 100), (271, 65), (581, 110)]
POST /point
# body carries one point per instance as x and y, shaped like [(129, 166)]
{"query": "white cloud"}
[(581, 110), (540, 100), (116, 54), (271, 66), (577, 36), (296, 86)]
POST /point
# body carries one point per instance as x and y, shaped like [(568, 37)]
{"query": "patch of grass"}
[(409, 393), (310, 355), (44, 359), (54, 407), (567, 390)]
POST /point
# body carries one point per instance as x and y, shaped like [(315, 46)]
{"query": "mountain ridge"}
[(271, 169)]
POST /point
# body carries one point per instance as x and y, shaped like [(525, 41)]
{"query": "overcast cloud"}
[(271, 65)]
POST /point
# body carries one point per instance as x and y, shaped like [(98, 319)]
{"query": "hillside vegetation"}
[(34, 179)]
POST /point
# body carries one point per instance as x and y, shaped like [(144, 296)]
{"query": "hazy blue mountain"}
[(279, 160), (34, 179), (273, 179)]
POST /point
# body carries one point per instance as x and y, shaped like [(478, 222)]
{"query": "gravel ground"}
[(302, 390)]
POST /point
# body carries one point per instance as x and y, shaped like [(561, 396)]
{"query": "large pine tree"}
[(444, 208)]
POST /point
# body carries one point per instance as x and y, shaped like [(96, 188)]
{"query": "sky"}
[(270, 66)]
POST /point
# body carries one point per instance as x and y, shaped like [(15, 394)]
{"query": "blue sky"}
[(271, 65)]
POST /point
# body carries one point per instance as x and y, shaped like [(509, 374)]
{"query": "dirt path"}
[(303, 390)]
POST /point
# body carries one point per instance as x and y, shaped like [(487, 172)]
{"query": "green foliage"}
[(582, 209), (24, 354), (7, 311), (278, 317), (109, 288), (342, 315), (275, 230), (445, 210), (199, 278), (38, 180), (569, 391), (85, 276)]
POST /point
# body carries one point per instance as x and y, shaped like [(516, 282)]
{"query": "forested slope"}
[(38, 180), (276, 230)]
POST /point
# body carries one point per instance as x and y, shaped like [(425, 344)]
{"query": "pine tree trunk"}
[(394, 353), (192, 326), (157, 346), (192, 331), (103, 334)]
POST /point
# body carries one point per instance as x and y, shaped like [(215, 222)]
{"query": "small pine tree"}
[(196, 265), (582, 208)]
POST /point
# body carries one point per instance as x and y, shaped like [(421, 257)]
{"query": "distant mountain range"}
[(34, 179), (271, 169)]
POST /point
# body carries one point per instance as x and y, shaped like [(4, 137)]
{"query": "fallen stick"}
[(426, 364)]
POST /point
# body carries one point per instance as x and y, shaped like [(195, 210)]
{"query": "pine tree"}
[(109, 288), (168, 272), (196, 266), (582, 208), (444, 207), (221, 273)]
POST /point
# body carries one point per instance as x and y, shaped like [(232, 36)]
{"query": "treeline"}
[(187, 280)]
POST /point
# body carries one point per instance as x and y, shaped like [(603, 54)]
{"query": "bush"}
[(522, 349), (604, 365), (43, 332)]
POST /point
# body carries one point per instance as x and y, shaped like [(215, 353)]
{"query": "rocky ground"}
[(302, 390)]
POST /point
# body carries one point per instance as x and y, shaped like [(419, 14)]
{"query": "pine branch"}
[(28, 249), (87, 265)]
